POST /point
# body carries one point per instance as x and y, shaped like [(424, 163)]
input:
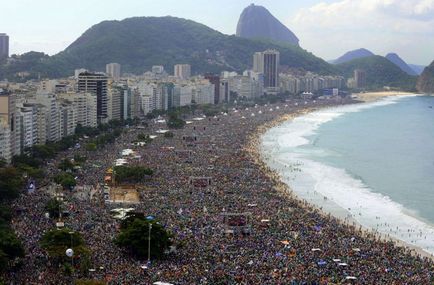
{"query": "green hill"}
[(425, 84), (139, 43), (380, 72)]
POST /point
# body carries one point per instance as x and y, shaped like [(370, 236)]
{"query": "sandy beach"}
[(374, 96)]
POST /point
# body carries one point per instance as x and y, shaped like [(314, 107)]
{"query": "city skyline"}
[(326, 28)]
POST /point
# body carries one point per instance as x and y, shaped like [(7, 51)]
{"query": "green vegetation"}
[(144, 138), (56, 242), (53, 207), (134, 237), (66, 164), (138, 43), (67, 180), (175, 123), (10, 246), (380, 72), (169, 135), (131, 174), (425, 84), (11, 183)]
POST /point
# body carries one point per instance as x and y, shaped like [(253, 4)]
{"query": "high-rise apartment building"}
[(113, 70), (84, 105), (268, 63), (215, 79), (96, 83), (9, 116), (360, 78), (182, 71), (4, 46), (5, 141)]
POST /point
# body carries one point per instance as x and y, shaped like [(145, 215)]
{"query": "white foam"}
[(346, 196)]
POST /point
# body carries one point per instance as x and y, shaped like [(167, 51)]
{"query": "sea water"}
[(370, 162)]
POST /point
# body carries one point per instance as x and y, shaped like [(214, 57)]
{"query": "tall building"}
[(84, 105), (5, 141), (96, 83), (4, 46), (360, 78), (268, 63), (182, 71), (113, 70), (215, 79), (9, 116)]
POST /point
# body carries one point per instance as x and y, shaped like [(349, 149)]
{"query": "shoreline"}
[(254, 150), (368, 97)]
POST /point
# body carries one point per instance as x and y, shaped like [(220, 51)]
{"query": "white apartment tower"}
[(113, 70), (182, 71)]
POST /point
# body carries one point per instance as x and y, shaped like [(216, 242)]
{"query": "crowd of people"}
[(279, 240)]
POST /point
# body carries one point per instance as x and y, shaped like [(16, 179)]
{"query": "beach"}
[(374, 96), (281, 239)]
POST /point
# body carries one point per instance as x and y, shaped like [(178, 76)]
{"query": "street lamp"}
[(72, 250), (149, 244)]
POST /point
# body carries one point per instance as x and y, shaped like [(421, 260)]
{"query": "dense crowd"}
[(282, 239)]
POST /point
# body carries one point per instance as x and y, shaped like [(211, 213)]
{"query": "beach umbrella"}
[(150, 218)]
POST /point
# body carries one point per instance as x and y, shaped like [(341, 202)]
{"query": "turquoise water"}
[(390, 148), (371, 163)]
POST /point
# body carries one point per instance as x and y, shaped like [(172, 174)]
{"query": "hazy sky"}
[(328, 28)]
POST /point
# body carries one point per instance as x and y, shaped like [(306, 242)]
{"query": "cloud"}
[(375, 24)]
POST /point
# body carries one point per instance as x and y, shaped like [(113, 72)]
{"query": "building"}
[(182, 71), (268, 63), (51, 115), (5, 141), (359, 78), (157, 69), (85, 108), (182, 95), (203, 93), (4, 46), (225, 91), (27, 122), (96, 83), (113, 70), (9, 116), (215, 80)]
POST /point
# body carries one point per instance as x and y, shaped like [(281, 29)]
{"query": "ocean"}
[(372, 163)]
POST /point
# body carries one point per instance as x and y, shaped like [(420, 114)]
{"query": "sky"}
[(327, 28)]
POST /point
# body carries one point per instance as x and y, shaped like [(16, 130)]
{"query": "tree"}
[(132, 174), (10, 246), (67, 180), (56, 242), (175, 122), (91, 147), (11, 182), (168, 135), (66, 164), (135, 237), (144, 138), (53, 207)]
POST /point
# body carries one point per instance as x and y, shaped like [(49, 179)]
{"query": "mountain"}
[(417, 68), (138, 43), (380, 72), (425, 83), (354, 54), (258, 22), (395, 59)]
